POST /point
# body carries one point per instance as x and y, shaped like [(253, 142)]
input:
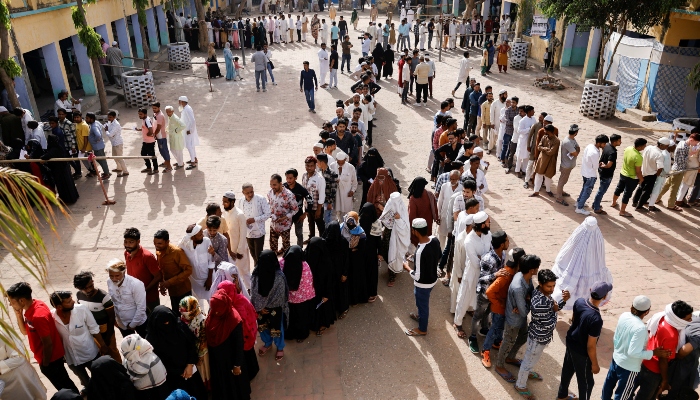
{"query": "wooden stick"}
[(651, 129), (38, 160)]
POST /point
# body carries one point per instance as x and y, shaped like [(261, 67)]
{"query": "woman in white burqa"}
[(581, 262), (395, 218)]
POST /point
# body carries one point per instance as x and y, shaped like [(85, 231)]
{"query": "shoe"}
[(483, 332), (486, 358), (274, 83), (258, 90), (155, 171), (116, 170), (313, 111), (473, 345), (582, 211), (105, 176), (634, 205), (264, 90), (146, 170)]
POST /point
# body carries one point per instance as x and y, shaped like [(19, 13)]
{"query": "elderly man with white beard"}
[(196, 247), (347, 185)]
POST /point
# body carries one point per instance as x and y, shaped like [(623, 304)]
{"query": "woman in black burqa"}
[(339, 252), (368, 215), (319, 260)]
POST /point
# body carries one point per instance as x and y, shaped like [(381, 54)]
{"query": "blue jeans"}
[(495, 331), (586, 190), (269, 71), (268, 340), (327, 214), (310, 98), (602, 188), (423, 305), (260, 76), (624, 379), (346, 58), (446, 251), (163, 148), (506, 140)]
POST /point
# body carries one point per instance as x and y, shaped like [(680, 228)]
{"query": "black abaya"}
[(251, 362), (388, 63), (300, 319), (319, 261), (368, 215), (338, 248), (248, 35), (109, 380), (357, 274), (368, 170), (214, 70), (60, 172), (222, 358)]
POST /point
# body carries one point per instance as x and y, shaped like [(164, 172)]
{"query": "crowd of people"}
[(204, 342)]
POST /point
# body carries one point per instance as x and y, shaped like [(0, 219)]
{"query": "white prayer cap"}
[(229, 194), (419, 223), (341, 156), (114, 43), (395, 195), (502, 91), (470, 219), (169, 108), (665, 140), (3, 109), (318, 145), (641, 303), (549, 118), (183, 98), (115, 265), (195, 230), (480, 217), (478, 150)]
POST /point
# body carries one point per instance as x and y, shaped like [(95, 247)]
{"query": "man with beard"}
[(129, 297), (101, 307), (79, 332), (142, 265), (237, 230), (496, 137), (196, 247), (300, 194), (283, 206), (176, 269), (257, 211)]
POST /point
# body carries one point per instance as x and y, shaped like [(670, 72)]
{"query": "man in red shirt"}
[(663, 329), (142, 265), (44, 340)]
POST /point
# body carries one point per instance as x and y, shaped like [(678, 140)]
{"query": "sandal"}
[(654, 208), (534, 375), (600, 212), (390, 283), (507, 376), (192, 166), (279, 355), (460, 332), (627, 215), (344, 314), (319, 332), (525, 393), (517, 362), (411, 332), (413, 316), (446, 282), (675, 208), (263, 350), (372, 299)]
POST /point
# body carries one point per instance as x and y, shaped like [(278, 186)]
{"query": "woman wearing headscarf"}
[(396, 235), (378, 55), (66, 394), (491, 51), (421, 204), (60, 171), (248, 34), (39, 170), (339, 254), (382, 187), (213, 65), (368, 215), (269, 295), (229, 379), (109, 380), (21, 379), (176, 346), (367, 170), (228, 57), (250, 322), (301, 293), (321, 266), (357, 269), (145, 369), (315, 25), (388, 58), (192, 316)]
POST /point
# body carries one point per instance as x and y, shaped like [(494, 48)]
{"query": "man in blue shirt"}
[(404, 41), (98, 145), (474, 107), (308, 84)]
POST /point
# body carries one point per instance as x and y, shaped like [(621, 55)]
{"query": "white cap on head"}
[(183, 98), (641, 303), (549, 118), (665, 140), (419, 223), (502, 91), (341, 156), (478, 150), (318, 145), (229, 194), (114, 43), (480, 217), (470, 219)]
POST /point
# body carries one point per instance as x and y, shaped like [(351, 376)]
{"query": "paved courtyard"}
[(247, 136)]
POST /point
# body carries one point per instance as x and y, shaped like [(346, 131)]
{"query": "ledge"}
[(41, 10)]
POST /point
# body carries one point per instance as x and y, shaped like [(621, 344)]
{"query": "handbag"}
[(377, 228), (270, 64)]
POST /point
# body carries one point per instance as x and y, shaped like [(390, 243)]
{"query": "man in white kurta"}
[(445, 212), (453, 35), (464, 70), (410, 16), (237, 231), (323, 60), (197, 248), (324, 31), (423, 32), (347, 185), (476, 244), (522, 155), (283, 29), (372, 30), (191, 137), (496, 107)]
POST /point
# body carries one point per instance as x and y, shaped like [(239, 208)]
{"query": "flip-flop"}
[(411, 332), (372, 299), (390, 284), (507, 376), (600, 212), (263, 350), (526, 394), (517, 362), (460, 332), (279, 355), (626, 215), (413, 316), (534, 375), (446, 282), (675, 208), (562, 202)]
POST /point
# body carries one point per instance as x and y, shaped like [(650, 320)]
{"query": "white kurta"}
[(324, 33), (457, 269), (21, 380), (323, 61), (347, 182), (187, 117), (475, 246), (237, 231), (463, 71), (409, 17), (400, 232), (523, 135), (444, 207), (201, 262)]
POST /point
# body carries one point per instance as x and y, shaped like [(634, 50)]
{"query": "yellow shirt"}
[(82, 130)]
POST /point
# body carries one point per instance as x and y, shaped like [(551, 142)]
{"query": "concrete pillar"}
[(84, 66), (567, 45), (193, 9), (505, 10), (124, 41), (105, 33), (162, 26), (54, 66), (592, 53), (21, 88), (152, 31), (485, 10), (137, 35)]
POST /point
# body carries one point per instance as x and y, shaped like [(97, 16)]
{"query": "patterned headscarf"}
[(191, 314), (353, 235)]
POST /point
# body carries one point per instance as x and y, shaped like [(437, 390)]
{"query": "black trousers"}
[(369, 133), (472, 124), (643, 192), (430, 39), (255, 246), (421, 88), (141, 329), (580, 365), (410, 86), (149, 149), (512, 149), (76, 164), (316, 223), (298, 35), (626, 185), (58, 376)]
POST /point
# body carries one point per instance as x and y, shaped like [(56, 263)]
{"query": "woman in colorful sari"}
[(315, 25), (269, 295), (194, 318)]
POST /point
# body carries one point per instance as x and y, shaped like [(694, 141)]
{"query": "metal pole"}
[(107, 201), (240, 40), (209, 78), (38, 160)]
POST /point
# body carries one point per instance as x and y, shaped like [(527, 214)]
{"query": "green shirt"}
[(632, 158)]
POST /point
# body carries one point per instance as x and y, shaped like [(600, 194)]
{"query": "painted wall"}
[(683, 26)]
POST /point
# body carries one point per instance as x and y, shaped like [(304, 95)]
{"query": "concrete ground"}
[(247, 136)]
